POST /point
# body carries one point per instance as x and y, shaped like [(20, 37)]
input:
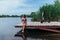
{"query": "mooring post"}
[(24, 20)]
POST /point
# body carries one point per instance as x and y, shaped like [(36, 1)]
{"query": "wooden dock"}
[(52, 26)]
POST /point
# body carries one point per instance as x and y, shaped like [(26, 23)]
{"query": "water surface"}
[(7, 30)]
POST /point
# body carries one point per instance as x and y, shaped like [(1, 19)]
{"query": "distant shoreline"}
[(13, 17)]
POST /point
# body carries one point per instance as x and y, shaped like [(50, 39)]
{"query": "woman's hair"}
[(24, 16)]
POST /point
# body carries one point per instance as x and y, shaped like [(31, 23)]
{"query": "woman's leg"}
[(23, 27)]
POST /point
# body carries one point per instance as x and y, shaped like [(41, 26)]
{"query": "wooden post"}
[(24, 23)]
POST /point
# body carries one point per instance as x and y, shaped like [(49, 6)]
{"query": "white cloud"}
[(9, 6), (17, 7)]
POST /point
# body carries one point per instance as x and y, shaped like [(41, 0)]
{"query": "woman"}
[(24, 23)]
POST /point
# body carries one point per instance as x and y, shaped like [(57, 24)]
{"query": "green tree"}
[(33, 15), (51, 12), (57, 8)]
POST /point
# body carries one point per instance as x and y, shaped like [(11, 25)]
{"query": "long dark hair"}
[(24, 16)]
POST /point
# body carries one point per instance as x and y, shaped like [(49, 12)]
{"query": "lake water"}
[(8, 30)]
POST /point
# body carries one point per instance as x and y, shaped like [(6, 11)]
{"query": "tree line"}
[(14, 15)]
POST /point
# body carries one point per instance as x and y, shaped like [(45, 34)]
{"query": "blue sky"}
[(18, 7)]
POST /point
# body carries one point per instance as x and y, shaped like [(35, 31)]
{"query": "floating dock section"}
[(52, 26)]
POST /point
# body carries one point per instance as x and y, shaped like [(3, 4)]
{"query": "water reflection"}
[(30, 35), (39, 37), (24, 37)]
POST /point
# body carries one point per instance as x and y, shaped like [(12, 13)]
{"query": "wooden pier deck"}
[(52, 26)]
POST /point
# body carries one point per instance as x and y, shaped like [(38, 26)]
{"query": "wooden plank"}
[(47, 29), (50, 30), (41, 24)]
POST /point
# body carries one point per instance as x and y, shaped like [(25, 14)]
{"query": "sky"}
[(18, 7)]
